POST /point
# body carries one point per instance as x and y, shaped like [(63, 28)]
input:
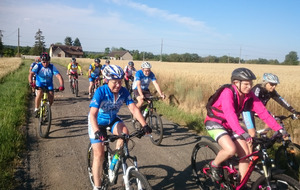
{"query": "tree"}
[(68, 41), (107, 51), (39, 45), (291, 59), (76, 42)]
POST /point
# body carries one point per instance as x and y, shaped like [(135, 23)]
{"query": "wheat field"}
[(8, 65)]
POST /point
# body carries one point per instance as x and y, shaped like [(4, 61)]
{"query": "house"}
[(65, 51), (120, 55)]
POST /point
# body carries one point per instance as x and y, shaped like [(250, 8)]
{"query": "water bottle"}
[(145, 112), (114, 161)]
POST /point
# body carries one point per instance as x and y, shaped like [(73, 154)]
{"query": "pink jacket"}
[(225, 102)]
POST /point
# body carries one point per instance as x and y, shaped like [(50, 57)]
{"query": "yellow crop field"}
[(8, 65)]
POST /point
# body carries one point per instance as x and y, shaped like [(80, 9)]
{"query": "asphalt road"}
[(59, 162)]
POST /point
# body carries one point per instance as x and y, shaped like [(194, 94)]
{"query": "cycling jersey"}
[(33, 64), (128, 71), (73, 67), (95, 70), (44, 75), (108, 107), (230, 114), (145, 80)]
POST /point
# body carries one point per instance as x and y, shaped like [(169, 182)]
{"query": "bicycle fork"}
[(127, 176)]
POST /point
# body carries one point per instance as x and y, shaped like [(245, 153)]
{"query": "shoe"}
[(36, 113), (215, 172)]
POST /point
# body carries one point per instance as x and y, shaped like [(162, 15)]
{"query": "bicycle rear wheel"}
[(138, 181), (76, 88), (203, 153), (154, 121), (279, 181), (45, 120), (289, 160)]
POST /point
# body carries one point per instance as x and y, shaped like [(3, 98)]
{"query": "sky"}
[(249, 29)]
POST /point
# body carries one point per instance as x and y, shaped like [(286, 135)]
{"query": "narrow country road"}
[(59, 162)]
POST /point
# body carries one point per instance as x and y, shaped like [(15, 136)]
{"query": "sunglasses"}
[(272, 84)]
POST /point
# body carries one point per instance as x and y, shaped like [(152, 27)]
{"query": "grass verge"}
[(14, 102)]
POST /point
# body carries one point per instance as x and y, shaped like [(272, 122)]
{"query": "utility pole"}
[(161, 48), (18, 42)]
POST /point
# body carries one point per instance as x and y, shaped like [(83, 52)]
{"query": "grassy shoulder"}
[(14, 103)]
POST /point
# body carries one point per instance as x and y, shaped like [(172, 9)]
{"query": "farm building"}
[(65, 51), (120, 55)]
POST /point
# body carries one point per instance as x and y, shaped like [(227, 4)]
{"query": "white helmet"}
[(146, 65), (271, 78), (113, 72)]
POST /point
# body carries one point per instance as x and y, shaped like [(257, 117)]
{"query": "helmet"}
[(130, 63), (146, 65), (97, 60), (107, 61), (271, 78), (45, 56), (113, 72), (73, 59), (242, 74)]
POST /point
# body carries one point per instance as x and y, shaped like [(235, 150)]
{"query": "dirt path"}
[(59, 162)]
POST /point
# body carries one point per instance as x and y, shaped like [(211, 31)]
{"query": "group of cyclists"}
[(222, 121)]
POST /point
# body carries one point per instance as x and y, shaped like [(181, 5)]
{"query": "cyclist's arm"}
[(30, 77), (60, 79), (69, 67), (93, 118), (79, 67), (282, 102), (137, 113), (158, 89)]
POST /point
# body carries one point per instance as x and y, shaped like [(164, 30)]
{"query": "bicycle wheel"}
[(289, 160), (154, 121), (203, 153), (71, 86), (279, 181), (45, 120), (76, 88), (138, 181)]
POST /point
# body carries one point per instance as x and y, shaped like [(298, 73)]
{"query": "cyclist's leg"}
[(139, 99), (51, 94), (242, 150), (39, 94), (91, 85), (117, 129)]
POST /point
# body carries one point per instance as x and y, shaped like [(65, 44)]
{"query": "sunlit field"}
[(7, 65)]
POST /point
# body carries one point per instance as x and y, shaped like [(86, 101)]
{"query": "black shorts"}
[(146, 93)]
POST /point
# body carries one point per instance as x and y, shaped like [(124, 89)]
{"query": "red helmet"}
[(45, 56)]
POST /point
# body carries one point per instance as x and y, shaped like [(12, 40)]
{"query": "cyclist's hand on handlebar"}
[(163, 96), (101, 134), (284, 132), (61, 88), (147, 129), (32, 85), (247, 137)]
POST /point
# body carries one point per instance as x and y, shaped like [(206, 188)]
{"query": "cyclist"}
[(104, 108), (107, 62), (222, 122), (44, 72), (265, 91), (94, 72), (72, 68), (141, 83), (128, 69), (36, 61)]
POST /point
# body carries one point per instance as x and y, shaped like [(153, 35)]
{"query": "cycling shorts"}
[(93, 78), (216, 131), (146, 93), (41, 85), (92, 133)]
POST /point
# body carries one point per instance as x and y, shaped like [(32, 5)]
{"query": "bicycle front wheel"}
[(138, 181), (45, 120), (76, 88), (203, 153), (289, 160), (279, 181), (154, 121)]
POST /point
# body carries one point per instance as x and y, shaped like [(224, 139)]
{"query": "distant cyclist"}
[(94, 72), (129, 69), (72, 68), (104, 107), (107, 62), (36, 61), (141, 84), (265, 91), (44, 72)]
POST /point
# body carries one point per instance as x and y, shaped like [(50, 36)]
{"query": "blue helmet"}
[(113, 72)]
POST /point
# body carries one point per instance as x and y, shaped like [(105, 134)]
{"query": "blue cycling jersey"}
[(33, 64), (108, 107), (44, 75), (96, 72), (145, 80)]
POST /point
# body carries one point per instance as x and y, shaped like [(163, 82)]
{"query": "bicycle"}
[(129, 86), (152, 119), (74, 84), (44, 114), (206, 150), (97, 84), (132, 178)]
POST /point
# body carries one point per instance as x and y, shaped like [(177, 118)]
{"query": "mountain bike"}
[(44, 115), (74, 84), (97, 84), (152, 119), (132, 178), (206, 150)]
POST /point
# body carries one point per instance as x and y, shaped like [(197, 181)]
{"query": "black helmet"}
[(107, 61), (97, 60), (242, 74), (130, 63), (45, 56), (73, 59)]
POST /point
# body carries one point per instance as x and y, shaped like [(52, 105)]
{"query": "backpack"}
[(213, 98)]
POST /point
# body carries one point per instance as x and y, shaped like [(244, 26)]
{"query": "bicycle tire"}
[(290, 160), (76, 88), (71, 86), (154, 121), (45, 120), (203, 153), (138, 181), (278, 181)]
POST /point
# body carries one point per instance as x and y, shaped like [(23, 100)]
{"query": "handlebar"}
[(152, 98), (266, 142), (283, 117)]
